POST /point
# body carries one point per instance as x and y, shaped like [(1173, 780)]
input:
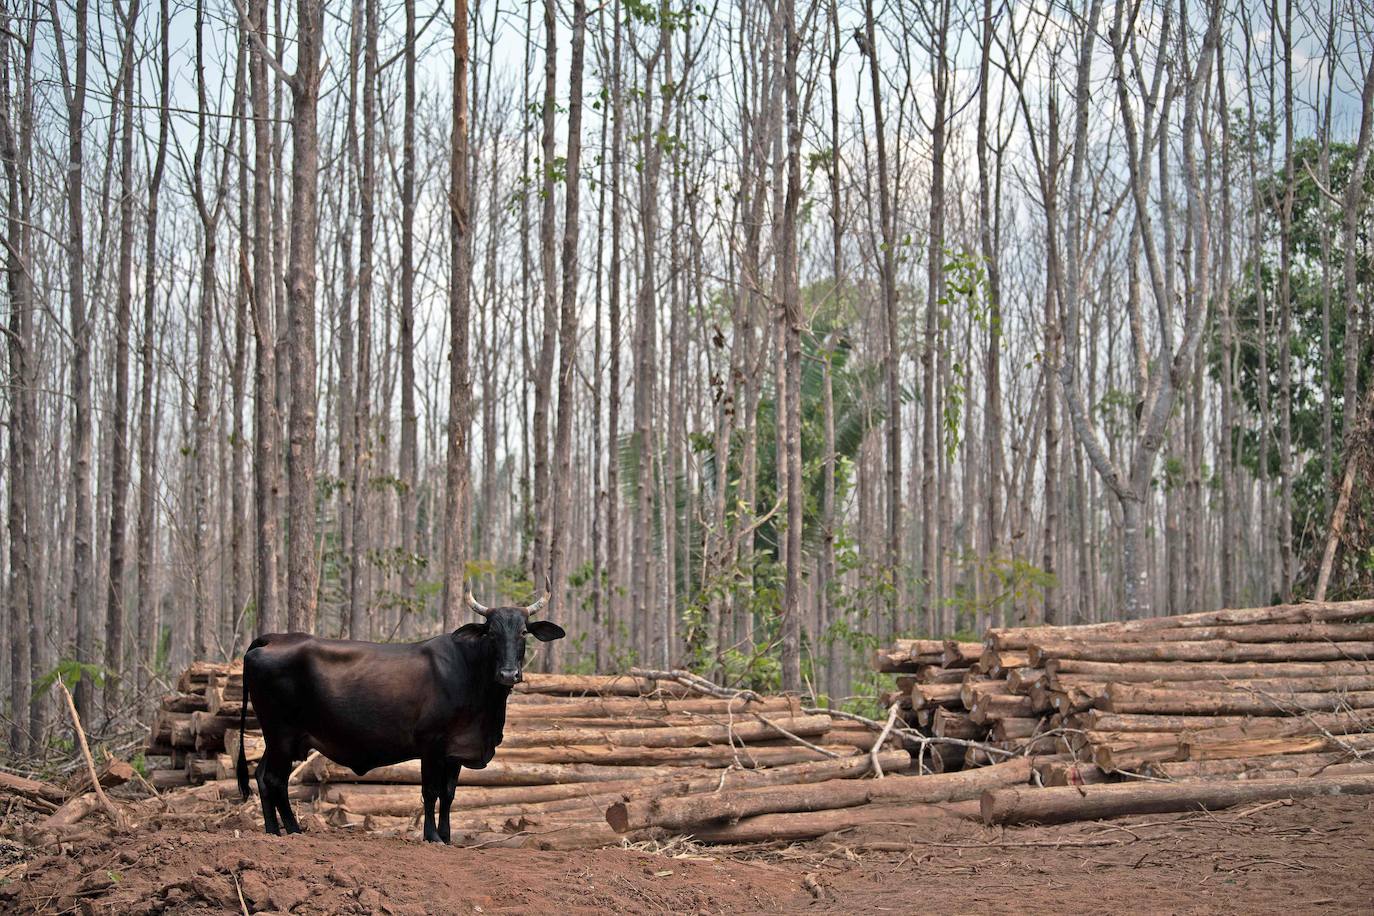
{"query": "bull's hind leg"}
[(273, 773), (432, 773), (267, 797), (451, 769)]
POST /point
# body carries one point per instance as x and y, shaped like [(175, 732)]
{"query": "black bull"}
[(366, 705)]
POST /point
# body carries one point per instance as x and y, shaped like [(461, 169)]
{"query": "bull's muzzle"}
[(509, 677)]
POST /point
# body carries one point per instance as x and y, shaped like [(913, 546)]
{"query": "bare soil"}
[(1310, 856)]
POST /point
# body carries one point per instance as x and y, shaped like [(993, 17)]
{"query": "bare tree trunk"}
[(147, 635), (614, 576), (24, 523), (359, 609), (567, 327), (892, 355), (790, 319), (933, 610), (460, 385), (1286, 561), (301, 572), (543, 368), (409, 451), (266, 419), (83, 585)]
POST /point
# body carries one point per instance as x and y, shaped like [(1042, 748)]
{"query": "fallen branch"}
[(110, 809)]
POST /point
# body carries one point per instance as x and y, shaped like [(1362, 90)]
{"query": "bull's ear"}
[(544, 630), (471, 630)]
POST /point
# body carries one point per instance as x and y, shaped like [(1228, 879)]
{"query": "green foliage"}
[(1259, 287), (71, 671)]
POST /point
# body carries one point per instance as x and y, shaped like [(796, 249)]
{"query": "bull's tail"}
[(242, 768)]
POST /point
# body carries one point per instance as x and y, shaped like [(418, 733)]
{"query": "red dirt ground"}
[(1310, 856)]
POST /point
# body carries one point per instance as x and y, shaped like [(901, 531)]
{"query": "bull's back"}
[(360, 704)]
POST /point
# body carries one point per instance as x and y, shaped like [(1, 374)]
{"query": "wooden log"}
[(113, 772), (183, 702), (1097, 720), (895, 661), (937, 674), (199, 769), (1202, 651), (942, 758), (961, 654), (1009, 729), (995, 664), (165, 780), (1132, 698), (1070, 773), (949, 723), (253, 744), (1315, 612), (1072, 699), (563, 708), (1130, 751), (686, 812), (33, 789), (365, 798), (715, 755), (1263, 632), (1021, 680), (806, 825), (71, 812), (748, 729), (925, 696), (1280, 766), (1209, 747), (1139, 672), (1001, 706), (973, 688), (622, 685), (1085, 803)]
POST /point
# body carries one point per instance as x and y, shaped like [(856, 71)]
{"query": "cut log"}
[(643, 706), (1001, 706), (1323, 612), (1208, 747), (747, 729), (995, 664), (183, 702), (806, 825), (925, 696), (113, 772), (1097, 720), (942, 758), (715, 755), (938, 674), (380, 799), (1202, 651), (972, 689), (621, 685), (1132, 698), (72, 811), (1202, 671), (1130, 751), (1009, 729), (1086, 803), (948, 723), (687, 812), (1021, 680), (32, 788), (1271, 767), (961, 654), (1070, 773), (165, 780)]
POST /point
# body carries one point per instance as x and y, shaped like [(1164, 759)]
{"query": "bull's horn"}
[(543, 600), (479, 609)]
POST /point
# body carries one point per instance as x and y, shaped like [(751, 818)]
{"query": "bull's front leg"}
[(451, 770), (432, 769)]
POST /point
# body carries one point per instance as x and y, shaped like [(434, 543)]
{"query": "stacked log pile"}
[(573, 745), (1259, 693), (979, 698), (191, 723)]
